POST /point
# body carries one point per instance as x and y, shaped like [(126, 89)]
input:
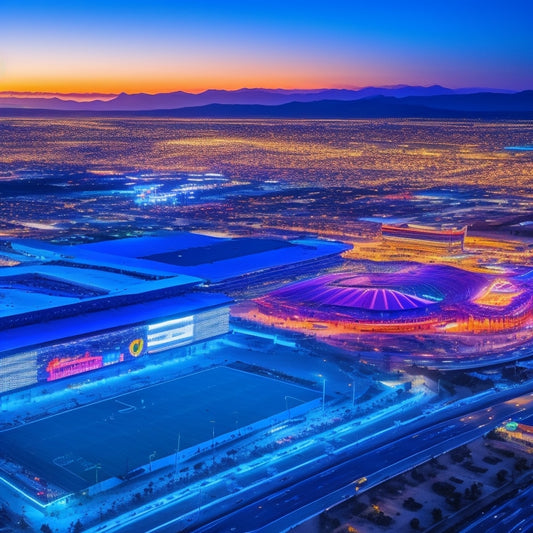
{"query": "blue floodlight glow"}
[(173, 334), (33, 500), (168, 323)]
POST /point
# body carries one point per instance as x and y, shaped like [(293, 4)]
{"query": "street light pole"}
[(199, 503), (323, 396), (177, 453), (287, 407), (97, 467), (213, 440)]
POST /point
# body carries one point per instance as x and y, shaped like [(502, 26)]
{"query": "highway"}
[(513, 516), (280, 511), (267, 507)]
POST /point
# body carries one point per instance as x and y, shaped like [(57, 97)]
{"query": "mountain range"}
[(180, 99), (400, 101)]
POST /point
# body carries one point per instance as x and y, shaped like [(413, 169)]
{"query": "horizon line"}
[(96, 95)]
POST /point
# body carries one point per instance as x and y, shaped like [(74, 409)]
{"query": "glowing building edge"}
[(420, 299), (71, 320), (409, 235), (70, 309)]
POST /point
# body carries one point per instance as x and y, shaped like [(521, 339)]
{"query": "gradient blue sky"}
[(160, 46)]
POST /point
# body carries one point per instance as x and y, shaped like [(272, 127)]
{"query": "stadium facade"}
[(424, 237), (443, 301), (68, 310), (70, 320), (415, 298)]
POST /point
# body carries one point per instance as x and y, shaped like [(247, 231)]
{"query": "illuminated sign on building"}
[(69, 366), (91, 352), (65, 359), (136, 347), (170, 334)]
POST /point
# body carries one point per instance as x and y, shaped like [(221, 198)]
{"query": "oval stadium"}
[(475, 312)]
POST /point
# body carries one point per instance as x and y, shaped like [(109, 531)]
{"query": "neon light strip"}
[(169, 336), (177, 321), (40, 504)]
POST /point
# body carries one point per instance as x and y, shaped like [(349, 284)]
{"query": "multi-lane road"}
[(279, 511), (513, 516), (269, 505)]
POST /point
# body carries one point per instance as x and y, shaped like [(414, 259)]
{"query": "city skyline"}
[(163, 46)]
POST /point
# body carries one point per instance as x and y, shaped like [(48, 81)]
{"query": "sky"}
[(168, 45)]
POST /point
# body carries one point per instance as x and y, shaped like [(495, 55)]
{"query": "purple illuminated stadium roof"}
[(373, 299), (417, 287)]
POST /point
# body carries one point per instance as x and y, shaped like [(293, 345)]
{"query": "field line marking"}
[(128, 406), (104, 400), (69, 471)]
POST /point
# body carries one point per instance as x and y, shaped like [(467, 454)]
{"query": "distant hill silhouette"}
[(479, 105), (179, 99)]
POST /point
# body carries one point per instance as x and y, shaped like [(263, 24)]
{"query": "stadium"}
[(415, 299), (225, 264), (67, 310), (83, 317), (423, 237), (98, 446), (70, 309), (59, 321)]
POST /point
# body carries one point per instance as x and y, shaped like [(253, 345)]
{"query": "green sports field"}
[(120, 434)]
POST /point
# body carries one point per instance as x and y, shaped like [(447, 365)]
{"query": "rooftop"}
[(36, 287), (108, 319), (214, 259)]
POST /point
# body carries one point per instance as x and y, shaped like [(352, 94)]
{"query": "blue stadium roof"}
[(143, 246), (36, 287), (211, 258), (66, 280), (87, 323), (246, 264)]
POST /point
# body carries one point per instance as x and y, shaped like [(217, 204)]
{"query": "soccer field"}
[(119, 434)]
